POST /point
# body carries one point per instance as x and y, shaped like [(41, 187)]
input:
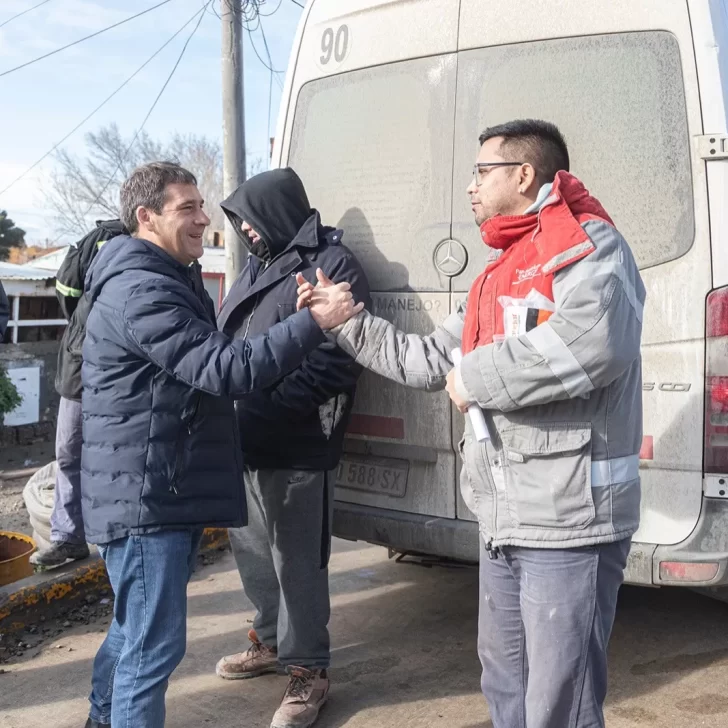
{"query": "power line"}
[(272, 76), (295, 2), (149, 113), (81, 40), (268, 65), (15, 17), (102, 104), (272, 12)]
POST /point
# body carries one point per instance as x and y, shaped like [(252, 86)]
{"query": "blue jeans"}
[(147, 637), (545, 620)]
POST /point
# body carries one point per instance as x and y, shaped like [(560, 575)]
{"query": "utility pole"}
[(233, 125)]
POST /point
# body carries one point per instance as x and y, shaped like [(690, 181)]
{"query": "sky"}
[(41, 103)]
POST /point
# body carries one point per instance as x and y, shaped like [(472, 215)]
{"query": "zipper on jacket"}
[(255, 306), (250, 318), (179, 450)]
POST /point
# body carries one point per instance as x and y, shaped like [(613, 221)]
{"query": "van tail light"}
[(716, 382), (687, 572)]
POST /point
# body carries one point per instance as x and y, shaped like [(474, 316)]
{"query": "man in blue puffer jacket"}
[(161, 455)]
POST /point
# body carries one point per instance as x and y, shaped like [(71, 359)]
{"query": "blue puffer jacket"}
[(160, 442)]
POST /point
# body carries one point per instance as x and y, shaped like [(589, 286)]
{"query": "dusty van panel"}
[(371, 147), (710, 26), (620, 101), (338, 36)]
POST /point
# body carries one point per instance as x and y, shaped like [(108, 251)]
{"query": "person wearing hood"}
[(160, 455), (551, 372), (291, 437)]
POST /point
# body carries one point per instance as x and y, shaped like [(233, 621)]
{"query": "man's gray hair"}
[(146, 187)]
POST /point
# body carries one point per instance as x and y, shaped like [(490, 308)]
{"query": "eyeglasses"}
[(481, 169)]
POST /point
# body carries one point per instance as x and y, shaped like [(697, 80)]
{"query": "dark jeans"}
[(282, 555), (147, 637), (66, 518), (545, 620)]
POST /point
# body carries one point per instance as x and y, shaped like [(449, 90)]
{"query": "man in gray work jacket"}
[(556, 488)]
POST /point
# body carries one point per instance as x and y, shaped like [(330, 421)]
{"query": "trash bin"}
[(15, 551)]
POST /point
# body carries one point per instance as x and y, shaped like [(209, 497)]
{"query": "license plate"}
[(382, 476)]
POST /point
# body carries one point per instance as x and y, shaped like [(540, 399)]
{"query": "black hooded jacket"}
[(299, 422)]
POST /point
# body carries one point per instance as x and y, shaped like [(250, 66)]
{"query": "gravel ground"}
[(13, 514)]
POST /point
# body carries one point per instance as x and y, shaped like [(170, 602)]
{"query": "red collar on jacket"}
[(560, 214), (558, 240)]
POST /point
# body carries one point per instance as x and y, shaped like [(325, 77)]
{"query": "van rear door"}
[(619, 79), (371, 137)]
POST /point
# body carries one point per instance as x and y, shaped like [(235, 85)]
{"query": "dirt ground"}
[(13, 514), (403, 655)]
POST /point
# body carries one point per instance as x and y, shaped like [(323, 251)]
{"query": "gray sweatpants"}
[(66, 517), (282, 555), (545, 620)]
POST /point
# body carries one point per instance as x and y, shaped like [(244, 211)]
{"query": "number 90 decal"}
[(335, 45)]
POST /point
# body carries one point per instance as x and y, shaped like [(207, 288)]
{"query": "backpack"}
[(70, 282)]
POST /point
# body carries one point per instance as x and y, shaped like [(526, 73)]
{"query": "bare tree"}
[(85, 188)]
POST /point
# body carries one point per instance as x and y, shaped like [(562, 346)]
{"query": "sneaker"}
[(58, 553), (95, 724), (305, 695), (258, 660)]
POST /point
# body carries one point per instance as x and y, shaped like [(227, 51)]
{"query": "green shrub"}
[(9, 397)]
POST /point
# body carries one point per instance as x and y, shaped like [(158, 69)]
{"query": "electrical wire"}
[(272, 12), (102, 104), (268, 65), (295, 2), (15, 17), (81, 40), (146, 118)]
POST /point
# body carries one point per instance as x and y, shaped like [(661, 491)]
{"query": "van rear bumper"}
[(707, 544), (408, 532), (455, 539)]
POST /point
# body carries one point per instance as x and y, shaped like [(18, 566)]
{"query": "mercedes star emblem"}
[(450, 257)]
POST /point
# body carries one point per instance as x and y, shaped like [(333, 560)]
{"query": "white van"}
[(383, 104)]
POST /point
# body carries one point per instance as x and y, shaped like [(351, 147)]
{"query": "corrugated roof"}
[(10, 271), (50, 261), (213, 261)]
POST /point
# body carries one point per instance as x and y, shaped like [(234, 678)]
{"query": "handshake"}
[(331, 304)]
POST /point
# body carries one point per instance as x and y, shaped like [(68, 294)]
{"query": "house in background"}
[(29, 353), (35, 314)]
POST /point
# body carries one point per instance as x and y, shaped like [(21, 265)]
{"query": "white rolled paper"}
[(477, 418)]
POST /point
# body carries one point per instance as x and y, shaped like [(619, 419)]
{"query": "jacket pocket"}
[(548, 475), (187, 428), (466, 486), (476, 485)]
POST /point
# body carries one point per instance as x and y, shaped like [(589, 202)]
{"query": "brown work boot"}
[(304, 697), (258, 660)]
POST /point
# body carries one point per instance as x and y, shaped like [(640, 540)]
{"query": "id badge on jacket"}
[(521, 315)]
